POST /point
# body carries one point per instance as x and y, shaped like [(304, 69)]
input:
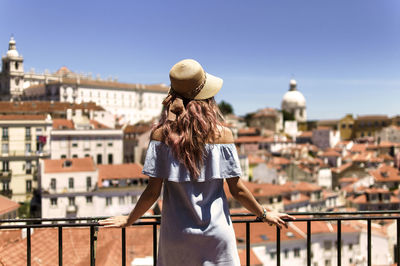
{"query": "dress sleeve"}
[(220, 161), (153, 161)]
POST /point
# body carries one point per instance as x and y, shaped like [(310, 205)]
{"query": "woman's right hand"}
[(276, 218), (116, 221)]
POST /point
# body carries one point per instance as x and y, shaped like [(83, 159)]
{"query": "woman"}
[(192, 153)]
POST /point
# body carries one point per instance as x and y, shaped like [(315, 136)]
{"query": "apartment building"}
[(24, 140)]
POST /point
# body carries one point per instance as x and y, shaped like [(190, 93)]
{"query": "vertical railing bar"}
[(92, 260), (278, 246), (123, 247), (339, 242), (155, 243), (28, 246), (60, 250), (369, 241), (247, 243), (398, 242), (308, 243)]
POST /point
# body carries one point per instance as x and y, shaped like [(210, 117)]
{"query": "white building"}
[(79, 188), (129, 102), (81, 137)]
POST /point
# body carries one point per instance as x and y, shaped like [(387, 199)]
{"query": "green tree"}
[(226, 108)]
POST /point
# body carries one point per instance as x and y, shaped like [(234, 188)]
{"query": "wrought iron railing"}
[(247, 219)]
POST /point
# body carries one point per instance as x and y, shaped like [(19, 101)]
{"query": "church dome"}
[(12, 50), (293, 98)]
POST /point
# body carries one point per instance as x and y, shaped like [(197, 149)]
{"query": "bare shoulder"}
[(224, 135), (156, 134)]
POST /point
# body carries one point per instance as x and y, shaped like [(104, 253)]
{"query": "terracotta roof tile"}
[(63, 124), (119, 171), (22, 117), (7, 205), (75, 165), (113, 84), (38, 107)]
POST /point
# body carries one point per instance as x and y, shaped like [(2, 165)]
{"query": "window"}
[(110, 158), (110, 144), (296, 252), (6, 166), (75, 156), (53, 183), (28, 167), (99, 159), (350, 246), (63, 156), (75, 144), (89, 199), (272, 255), (28, 148), (28, 186), (99, 145), (286, 252), (6, 185), (327, 262), (4, 148), (71, 201), (5, 133), (108, 201), (88, 182), (53, 201), (121, 200), (133, 199), (343, 126), (27, 133), (327, 245), (71, 182)]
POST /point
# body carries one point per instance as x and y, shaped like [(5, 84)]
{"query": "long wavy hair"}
[(195, 125)]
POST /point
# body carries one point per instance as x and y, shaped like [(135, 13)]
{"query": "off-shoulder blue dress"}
[(196, 228)]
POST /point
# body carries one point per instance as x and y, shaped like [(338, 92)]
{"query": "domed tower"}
[(294, 102), (12, 73)]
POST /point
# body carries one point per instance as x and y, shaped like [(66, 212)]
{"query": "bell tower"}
[(12, 73)]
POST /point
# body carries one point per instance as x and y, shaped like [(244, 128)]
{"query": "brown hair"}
[(195, 125)]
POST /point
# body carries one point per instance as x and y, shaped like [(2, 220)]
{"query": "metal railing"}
[(247, 219)]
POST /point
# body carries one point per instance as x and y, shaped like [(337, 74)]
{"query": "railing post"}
[(369, 241), (339, 242), (155, 244), (28, 246), (123, 240), (60, 251), (92, 246), (278, 246), (248, 243), (397, 256), (308, 243)]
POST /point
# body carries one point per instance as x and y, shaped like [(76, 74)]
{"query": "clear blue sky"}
[(345, 55)]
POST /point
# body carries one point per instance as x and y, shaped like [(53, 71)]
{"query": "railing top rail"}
[(92, 221), (235, 215)]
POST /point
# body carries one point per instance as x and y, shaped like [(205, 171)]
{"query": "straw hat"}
[(189, 80)]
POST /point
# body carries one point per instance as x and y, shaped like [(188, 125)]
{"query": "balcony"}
[(247, 220), (6, 193)]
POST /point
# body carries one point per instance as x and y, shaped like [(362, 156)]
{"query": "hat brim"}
[(211, 87)]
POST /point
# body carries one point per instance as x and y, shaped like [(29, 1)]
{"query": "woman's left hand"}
[(276, 218), (116, 221)]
